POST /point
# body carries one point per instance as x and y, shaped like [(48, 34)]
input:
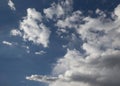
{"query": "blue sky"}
[(59, 42)]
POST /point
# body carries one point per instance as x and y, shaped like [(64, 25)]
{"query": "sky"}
[(59, 42)]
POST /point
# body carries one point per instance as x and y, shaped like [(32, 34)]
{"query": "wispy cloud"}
[(40, 52), (7, 43), (11, 5)]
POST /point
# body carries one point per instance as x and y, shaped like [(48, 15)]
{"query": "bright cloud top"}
[(33, 28), (11, 5), (98, 64)]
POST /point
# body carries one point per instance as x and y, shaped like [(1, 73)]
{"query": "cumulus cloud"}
[(58, 10), (54, 10), (97, 62), (7, 43), (33, 29), (11, 5)]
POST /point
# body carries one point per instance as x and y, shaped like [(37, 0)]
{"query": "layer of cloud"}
[(11, 5), (42, 78), (99, 63), (54, 10)]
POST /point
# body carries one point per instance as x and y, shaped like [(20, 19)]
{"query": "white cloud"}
[(54, 10), (40, 52), (33, 28), (70, 21), (11, 5), (99, 62), (42, 78), (15, 32), (58, 10), (7, 43)]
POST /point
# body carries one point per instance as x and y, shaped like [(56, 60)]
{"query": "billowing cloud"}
[(54, 10), (11, 5), (97, 62), (58, 10), (117, 11), (32, 29)]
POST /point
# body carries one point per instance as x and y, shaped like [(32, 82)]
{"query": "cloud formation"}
[(33, 29), (59, 10), (98, 63), (41, 78), (11, 5)]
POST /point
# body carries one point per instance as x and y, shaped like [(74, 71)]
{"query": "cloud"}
[(11, 5), (117, 11), (54, 10), (58, 10), (7, 43), (100, 61), (33, 29), (40, 52), (97, 62), (15, 32), (42, 78)]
